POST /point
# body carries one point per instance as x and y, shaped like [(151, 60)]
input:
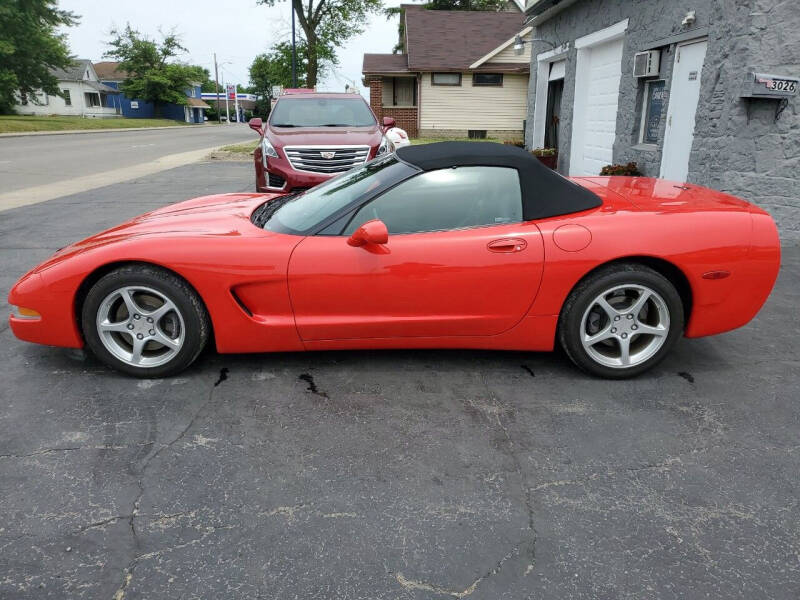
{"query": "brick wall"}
[(405, 118)]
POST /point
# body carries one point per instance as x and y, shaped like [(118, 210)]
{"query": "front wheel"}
[(144, 321), (621, 321)]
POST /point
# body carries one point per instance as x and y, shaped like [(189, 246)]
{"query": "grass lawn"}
[(246, 148), (431, 140), (19, 123)]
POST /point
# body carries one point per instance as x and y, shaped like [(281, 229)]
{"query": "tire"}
[(151, 304), (624, 305)]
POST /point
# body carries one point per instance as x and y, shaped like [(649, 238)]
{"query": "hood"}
[(219, 215), (324, 136)]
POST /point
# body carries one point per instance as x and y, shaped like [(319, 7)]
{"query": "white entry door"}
[(683, 96), (594, 122)]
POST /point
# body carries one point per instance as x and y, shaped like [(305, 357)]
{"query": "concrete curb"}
[(82, 131)]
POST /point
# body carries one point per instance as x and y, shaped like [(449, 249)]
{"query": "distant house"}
[(82, 95), (459, 76), (191, 112)]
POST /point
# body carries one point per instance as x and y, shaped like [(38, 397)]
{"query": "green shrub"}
[(544, 151)]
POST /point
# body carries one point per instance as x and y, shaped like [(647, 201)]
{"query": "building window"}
[(445, 78), (476, 134), (495, 79), (92, 100), (404, 91), (23, 99), (652, 111), (67, 97)]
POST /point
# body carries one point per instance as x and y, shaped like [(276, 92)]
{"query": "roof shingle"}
[(385, 63), (449, 40), (108, 71), (454, 39)]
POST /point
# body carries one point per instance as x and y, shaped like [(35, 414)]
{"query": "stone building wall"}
[(753, 157)]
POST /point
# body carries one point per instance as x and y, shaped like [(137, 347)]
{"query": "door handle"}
[(507, 245)]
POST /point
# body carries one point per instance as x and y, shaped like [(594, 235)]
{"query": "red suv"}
[(311, 137)]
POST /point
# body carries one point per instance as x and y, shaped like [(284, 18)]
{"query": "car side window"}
[(453, 198)]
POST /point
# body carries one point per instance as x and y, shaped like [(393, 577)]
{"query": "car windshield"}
[(322, 112), (301, 213)]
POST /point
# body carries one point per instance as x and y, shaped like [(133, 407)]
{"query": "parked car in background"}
[(310, 137)]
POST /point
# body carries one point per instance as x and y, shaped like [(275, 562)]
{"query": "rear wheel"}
[(144, 321), (621, 321)]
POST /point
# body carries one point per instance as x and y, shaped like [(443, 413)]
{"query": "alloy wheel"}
[(625, 325), (140, 326)]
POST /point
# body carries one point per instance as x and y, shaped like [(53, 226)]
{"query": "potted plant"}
[(629, 170), (548, 156)]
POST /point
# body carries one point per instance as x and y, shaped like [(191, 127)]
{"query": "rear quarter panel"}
[(695, 237)]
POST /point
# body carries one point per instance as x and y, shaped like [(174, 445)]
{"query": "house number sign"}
[(764, 85), (779, 85)]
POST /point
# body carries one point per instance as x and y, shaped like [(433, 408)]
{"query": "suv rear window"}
[(322, 112)]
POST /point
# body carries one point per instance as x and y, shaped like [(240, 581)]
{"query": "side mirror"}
[(256, 125), (388, 122), (371, 232)]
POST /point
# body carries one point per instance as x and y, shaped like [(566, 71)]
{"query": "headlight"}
[(385, 147), (267, 148)]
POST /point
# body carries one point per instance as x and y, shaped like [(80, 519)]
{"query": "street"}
[(381, 475), (35, 168)]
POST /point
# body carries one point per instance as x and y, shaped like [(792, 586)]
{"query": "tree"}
[(30, 48), (327, 25), (150, 77), (274, 67)]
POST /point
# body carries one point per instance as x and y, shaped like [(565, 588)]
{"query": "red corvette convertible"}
[(451, 245)]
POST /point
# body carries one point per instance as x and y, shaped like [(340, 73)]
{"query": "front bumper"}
[(284, 178), (56, 325)]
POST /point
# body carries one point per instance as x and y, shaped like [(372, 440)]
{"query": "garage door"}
[(594, 123)]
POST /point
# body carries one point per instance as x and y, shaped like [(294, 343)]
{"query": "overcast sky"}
[(236, 30)]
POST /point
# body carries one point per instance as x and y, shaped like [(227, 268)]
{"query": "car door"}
[(459, 262)]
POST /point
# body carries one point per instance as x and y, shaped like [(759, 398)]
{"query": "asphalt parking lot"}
[(402, 475)]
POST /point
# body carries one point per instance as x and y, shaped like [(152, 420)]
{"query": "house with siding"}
[(82, 95), (192, 112), (459, 75), (706, 92)]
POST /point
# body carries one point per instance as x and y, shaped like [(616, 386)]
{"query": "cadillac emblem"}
[(328, 154)]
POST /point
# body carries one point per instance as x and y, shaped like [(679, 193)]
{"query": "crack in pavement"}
[(411, 584), (73, 448), (131, 567), (148, 460), (496, 410)]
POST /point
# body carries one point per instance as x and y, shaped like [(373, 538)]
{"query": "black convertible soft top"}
[(545, 193)]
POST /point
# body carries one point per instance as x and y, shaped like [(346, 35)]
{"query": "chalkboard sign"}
[(654, 105)]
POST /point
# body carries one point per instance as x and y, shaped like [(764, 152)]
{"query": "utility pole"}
[(216, 89), (294, 52)]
